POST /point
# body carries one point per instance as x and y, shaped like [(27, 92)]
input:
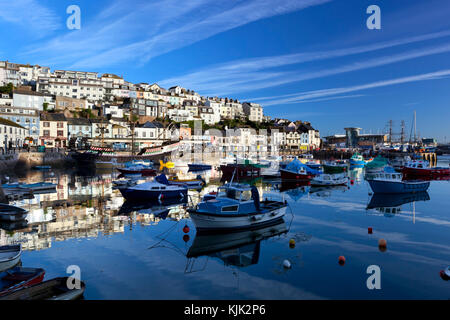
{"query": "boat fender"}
[(287, 264), (382, 245), (369, 230), (186, 238), (255, 197), (186, 229), (341, 260), (161, 197)]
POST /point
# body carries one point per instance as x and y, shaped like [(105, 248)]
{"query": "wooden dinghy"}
[(54, 289)]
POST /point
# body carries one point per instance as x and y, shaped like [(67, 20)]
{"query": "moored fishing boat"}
[(19, 277), (297, 171), (357, 160), (9, 256), (137, 168), (12, 213), (158, 189), (334, 166), (54, 289), (329, 179), (40, 186), (242, 170), (190, 183), (236, 206), (376, 165), (390, 181), (421, 168)]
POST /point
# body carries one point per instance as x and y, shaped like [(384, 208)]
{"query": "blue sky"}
[(311, 60)]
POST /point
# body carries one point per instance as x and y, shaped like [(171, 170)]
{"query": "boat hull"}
[(215, 222), (334, 169), (290, 175), (398, 186), (426, 172), (199, 167), (242, 171), (143, 195), (144, 172)]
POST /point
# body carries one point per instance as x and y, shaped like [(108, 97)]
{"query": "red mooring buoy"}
[(369, 230), (341, 260)]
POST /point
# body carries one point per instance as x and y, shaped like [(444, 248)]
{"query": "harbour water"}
[(148, 253)]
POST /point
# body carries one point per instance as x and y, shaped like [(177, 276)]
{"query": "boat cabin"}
[(387, 176), (417, 164)]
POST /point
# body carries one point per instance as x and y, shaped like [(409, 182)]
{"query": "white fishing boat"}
[(271, 170), (9, 256), (329, 179), (236, 206)]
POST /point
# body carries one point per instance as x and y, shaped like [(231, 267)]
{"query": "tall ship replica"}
[(105, 157)]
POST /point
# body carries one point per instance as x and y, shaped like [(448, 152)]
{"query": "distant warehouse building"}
[(354, 139)]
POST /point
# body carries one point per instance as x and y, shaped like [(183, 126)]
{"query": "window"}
[(230, 209), (46, 124), (46, 133), (60, 125), (60, 133)]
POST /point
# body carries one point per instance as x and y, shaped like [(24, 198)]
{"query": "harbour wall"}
[(24, 160)]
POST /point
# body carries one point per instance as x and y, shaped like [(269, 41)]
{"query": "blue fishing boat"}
[(236, 206), (389, 181), (357, 160), (158, 189)]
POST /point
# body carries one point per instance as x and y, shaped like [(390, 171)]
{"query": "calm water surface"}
[(133, 253)]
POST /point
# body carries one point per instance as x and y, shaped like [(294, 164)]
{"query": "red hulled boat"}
[(18, 277), (421, 169), (242, 171)]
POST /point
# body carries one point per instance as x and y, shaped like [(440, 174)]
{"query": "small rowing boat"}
[(19, 277), (54, 289), (9, 256)]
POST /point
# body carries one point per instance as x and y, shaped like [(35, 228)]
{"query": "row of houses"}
[(83, 90)]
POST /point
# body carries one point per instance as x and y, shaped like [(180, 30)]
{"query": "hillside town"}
[(41, 108)]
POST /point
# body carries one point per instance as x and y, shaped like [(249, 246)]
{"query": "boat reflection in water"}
[(324, 192), (390, 203), (238, 249), (158, 208)]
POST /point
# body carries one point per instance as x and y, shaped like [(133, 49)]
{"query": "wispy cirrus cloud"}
[(259, 73), (155, 28), (29, 15), (335, 92)]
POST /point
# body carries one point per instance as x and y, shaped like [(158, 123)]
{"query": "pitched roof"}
[(10, 123), (53, 117)]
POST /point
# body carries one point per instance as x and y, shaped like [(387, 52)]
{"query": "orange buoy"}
[(186, 229), (292, 243), (382, 245), (186, 238), (369, 230), (341, 260)]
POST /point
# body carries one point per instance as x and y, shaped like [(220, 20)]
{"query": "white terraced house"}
[(12, 135)]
